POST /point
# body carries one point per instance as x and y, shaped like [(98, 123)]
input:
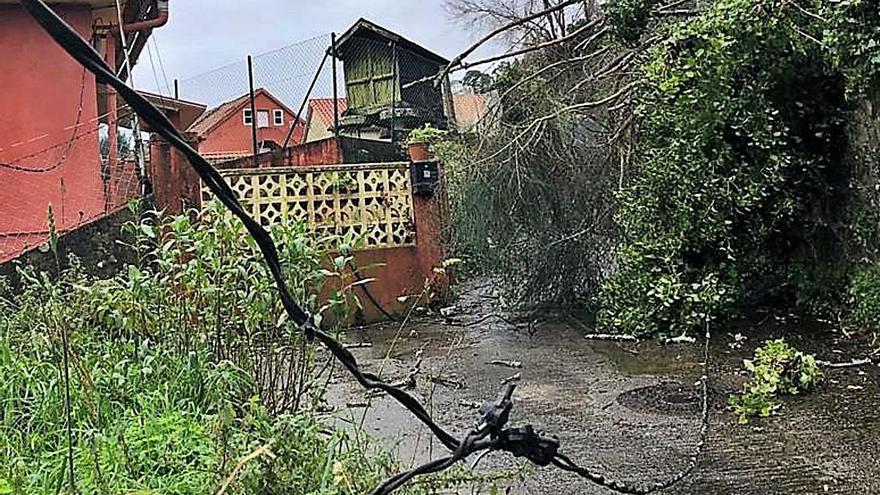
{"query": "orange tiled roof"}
[(321, 110)]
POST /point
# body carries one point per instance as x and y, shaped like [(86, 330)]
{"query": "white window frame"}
[(247, 117), (278, 117)]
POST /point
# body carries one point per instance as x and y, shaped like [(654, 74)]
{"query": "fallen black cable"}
[(489, 435)]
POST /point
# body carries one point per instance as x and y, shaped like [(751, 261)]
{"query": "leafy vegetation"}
[(427, 134), (179, 369), (739, 193), (864, 292), (777, 370), (720, 137)]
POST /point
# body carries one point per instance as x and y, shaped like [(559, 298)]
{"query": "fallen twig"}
[(508, 364), (260, 452), (447, 382), (852, 364), (515, 378), (359, 345), (681, 339), (611, 337)]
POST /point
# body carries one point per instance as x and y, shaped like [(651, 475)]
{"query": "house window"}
[(247, 116), (278, 115), (262, 119)]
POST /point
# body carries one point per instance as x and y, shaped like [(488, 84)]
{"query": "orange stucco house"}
[(224, 133), (53, 116)]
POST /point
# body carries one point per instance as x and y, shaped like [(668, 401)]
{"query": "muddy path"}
[(629, 410)]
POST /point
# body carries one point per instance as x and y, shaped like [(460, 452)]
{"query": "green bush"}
[(864, 293), (171, 369), (740, 192), (778, 369)]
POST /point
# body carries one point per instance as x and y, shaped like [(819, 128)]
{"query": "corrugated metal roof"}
[(368, 29)]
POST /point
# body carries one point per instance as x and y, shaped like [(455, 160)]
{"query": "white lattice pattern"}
[(370, 201)]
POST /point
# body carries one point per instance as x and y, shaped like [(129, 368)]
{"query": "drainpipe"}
[(160, 20)]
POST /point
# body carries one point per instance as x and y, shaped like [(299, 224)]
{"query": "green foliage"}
[(175, 369), (532, 196), (864, 292), (629, 19), (427, 134), (852, 37), (741, 185), (479, 82), (778, 369)]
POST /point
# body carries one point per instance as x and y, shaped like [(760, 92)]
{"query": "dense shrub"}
[(741, 185), (178, 370), (864, 292)]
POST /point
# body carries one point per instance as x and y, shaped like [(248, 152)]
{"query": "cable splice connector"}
[(525, 442)]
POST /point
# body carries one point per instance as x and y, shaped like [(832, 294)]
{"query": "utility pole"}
[(335, 88), (250, 62)]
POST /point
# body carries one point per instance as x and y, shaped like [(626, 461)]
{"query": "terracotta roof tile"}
[(215, 116), (469, 109), (321, 110)]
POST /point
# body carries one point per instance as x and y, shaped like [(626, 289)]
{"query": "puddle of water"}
[(650, 358)]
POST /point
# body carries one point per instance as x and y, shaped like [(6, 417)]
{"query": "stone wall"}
[(96, 244)]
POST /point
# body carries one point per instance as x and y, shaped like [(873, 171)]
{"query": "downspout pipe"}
[(160, 20)]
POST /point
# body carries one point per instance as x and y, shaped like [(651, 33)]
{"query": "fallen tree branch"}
[(533, 48), (855, 363), (611, 337), (485, 39)]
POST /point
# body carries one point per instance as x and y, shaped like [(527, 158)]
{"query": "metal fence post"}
[(335, 88), (394, 77), (250, 62)]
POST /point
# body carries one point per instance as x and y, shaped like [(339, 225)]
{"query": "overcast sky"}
[(203, 35)]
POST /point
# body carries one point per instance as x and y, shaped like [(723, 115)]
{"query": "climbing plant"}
[(741, 187)]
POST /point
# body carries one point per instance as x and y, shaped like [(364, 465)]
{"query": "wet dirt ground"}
[(629, 410)]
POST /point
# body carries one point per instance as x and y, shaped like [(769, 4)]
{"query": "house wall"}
[(176, 184), (324, 152), (40, 100), (233, 135)]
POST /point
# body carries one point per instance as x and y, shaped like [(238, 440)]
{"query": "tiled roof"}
[(321, 110), (225, 156), (217, 115), (469, 109)]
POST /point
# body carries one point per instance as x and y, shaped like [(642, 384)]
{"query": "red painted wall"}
[(415, 272), (232, 135), (40, 100), (176, 185), (324, 152)]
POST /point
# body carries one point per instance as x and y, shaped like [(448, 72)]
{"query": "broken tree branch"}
[(485, 39)]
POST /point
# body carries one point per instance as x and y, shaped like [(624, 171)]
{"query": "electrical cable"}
[(521, 442)]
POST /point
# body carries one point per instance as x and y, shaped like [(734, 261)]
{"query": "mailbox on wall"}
[(425, 177)]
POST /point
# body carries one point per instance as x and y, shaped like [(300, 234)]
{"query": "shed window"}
[(278, 115), (247, 116)]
